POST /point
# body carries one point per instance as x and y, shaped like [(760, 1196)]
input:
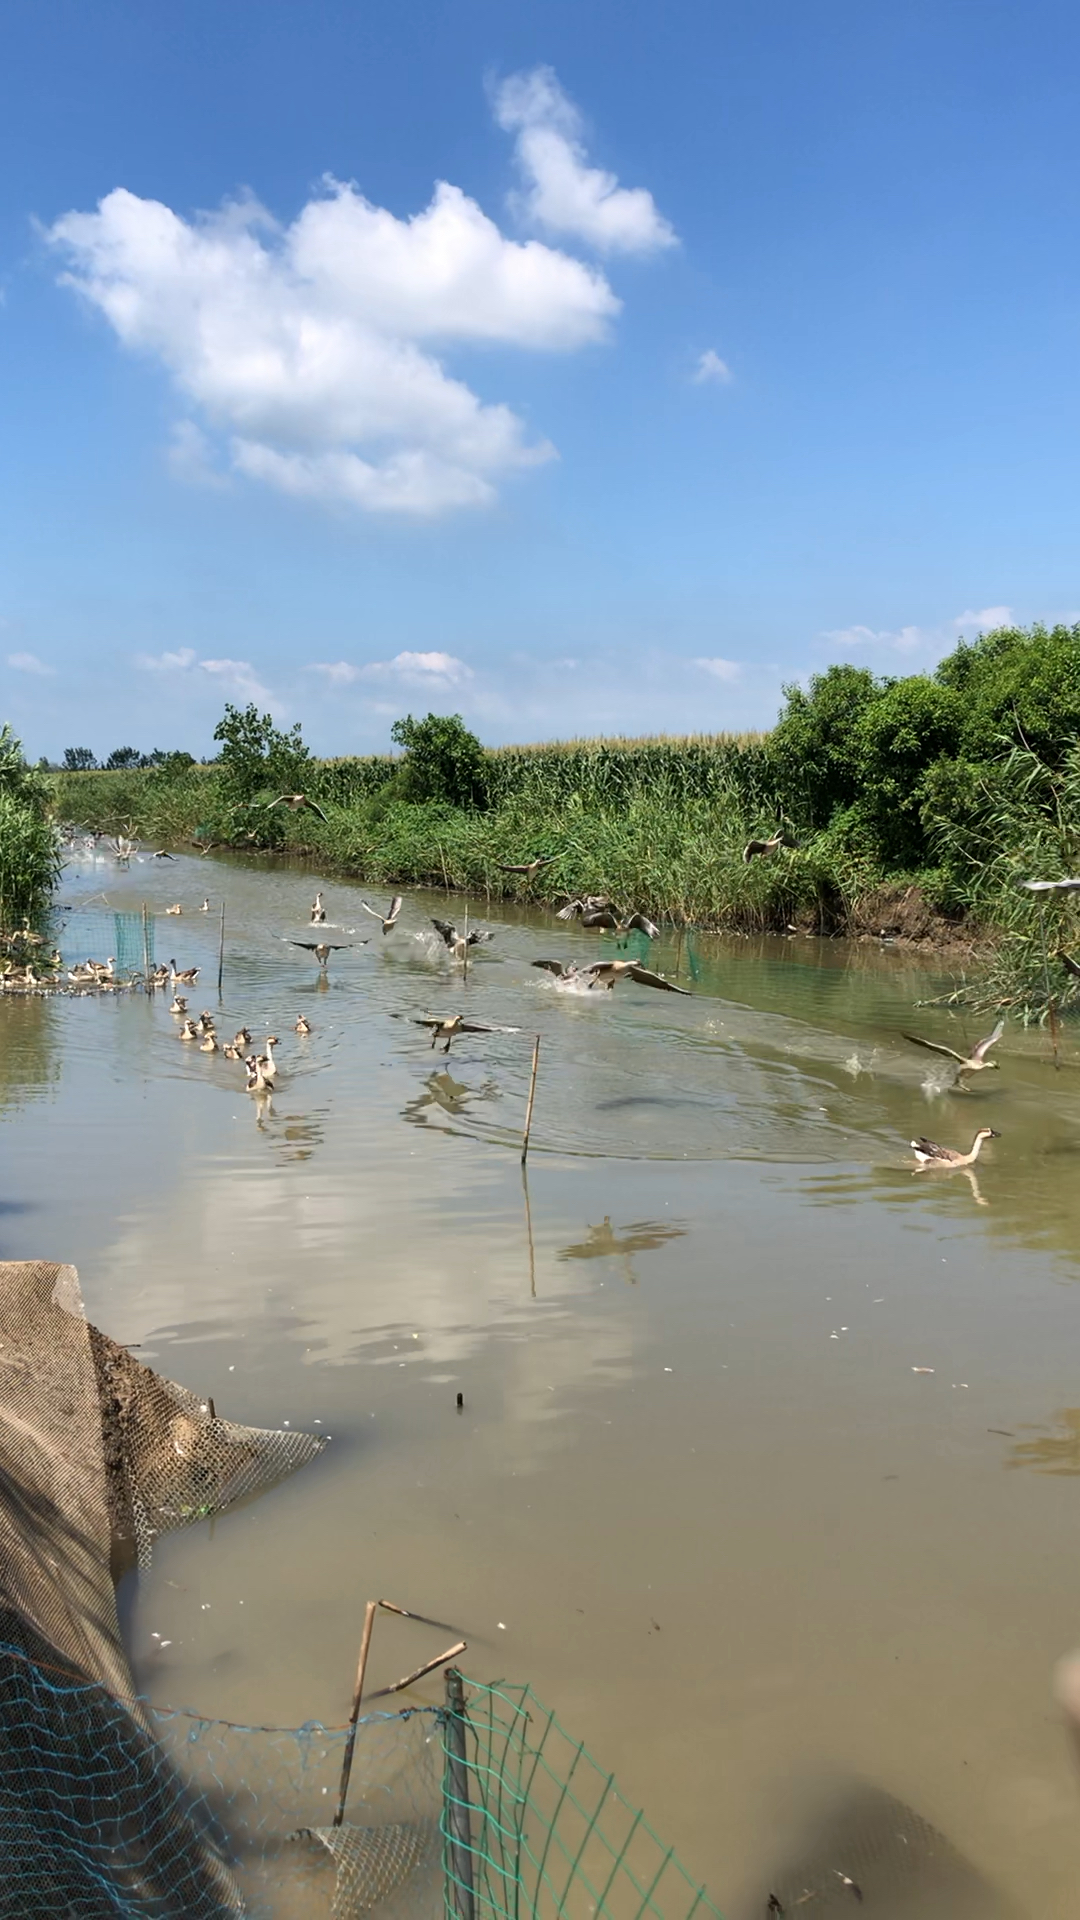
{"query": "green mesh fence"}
[(533, 1827)]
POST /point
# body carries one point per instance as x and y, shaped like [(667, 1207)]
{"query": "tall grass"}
[(29, 862)]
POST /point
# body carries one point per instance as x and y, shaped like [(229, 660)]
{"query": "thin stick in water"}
[(532, 1096), (358, 1691), (406, 1613), (429, 1666), (221, 951), (465, 956), (528, 1228), (146, 949)]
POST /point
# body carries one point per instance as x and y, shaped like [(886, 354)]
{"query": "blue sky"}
[(736, 339)]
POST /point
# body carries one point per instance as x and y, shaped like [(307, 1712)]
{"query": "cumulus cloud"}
[(234, 676), (710, 368), (933, 642), (311, 350), (562, 192), (28, 663), (338, 672), (420, 670), (721, 669)]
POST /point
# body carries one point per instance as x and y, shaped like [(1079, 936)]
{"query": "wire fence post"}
[(221, 951), (457, 1826), (146, 950)]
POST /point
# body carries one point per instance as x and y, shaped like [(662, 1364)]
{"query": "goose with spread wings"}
[(457, 944), (446, 1026), (322, 949), (974, 1062), (528, 867), (606, 973), (388, 921), (296, 802)]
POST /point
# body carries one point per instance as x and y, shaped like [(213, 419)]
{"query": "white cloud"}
[(338, 672), (728, 670), (710, 367), (234, 676), (563, 193), (306, 348), (420, 670), (28, 663), (931, 642)]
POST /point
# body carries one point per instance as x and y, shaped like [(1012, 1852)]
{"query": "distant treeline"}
[(955, 782)]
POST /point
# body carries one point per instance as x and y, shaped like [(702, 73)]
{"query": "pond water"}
[(704, 1493)]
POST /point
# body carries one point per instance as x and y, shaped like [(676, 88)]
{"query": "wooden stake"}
[(429, 1666), (532, 1096), (146, 949), (465, 956), (358, 1692), (457, 1826), (221, 951), (406, 1613)]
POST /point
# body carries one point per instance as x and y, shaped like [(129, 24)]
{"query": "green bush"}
[(443, 762)]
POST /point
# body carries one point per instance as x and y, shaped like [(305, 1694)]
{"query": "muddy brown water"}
[(703, 1493)]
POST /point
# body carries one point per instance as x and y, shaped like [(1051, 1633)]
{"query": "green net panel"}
[(533, 1828), (95, 934)]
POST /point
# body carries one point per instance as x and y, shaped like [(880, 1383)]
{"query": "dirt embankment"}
[(902, 913)]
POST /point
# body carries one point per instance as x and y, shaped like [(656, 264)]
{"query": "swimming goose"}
[(179, 1004), (103, 969), (185, 977), (303, 1025), (322, 949), (209, 1045), (527, 867), (296, 802), (605, 973), (242, 1038), (318, 911), (445, 1026), (256, 1079), (189, 1031), (266, 1060), (929, 1155), (231, 1051), (206, 1021), (205, 908), (457, 944), (175, 909), (965, 1063), (387, 920)]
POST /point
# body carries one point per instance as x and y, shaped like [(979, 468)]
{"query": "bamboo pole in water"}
[(532, 1096), (528, 1228), (221, 951), (354, 1715), (146, 949), (465, 957)]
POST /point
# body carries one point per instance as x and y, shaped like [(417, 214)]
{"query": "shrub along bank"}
[(939, 791), (29, 855)]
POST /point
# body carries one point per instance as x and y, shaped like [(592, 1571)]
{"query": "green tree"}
[(1018, 685), (79, 760), (900, 735), (256, 755), (443, 761), (121, 759), (813, 747)]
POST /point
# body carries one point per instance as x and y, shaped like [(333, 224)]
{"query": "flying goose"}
[(965, 1063), (445, 1026), (386, 920), (296, 802), (589, 903), (322, 949), (1051, 886), (162, 854), (929, 1155), (528, 867), (756, 849), (457, 944), (605, 973)]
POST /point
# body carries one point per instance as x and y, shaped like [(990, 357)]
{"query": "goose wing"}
[(642, 924), (449, 933), (980, 1052), (477, 939), (931, 1149), (315, 808), (935, 1046), (396, 905), (601, 917), (562, 968), (374, 912), (327, 946), (480, 1026), (646, 978), (506, 866), (1051, 886), (570, 910), (430, 1020)]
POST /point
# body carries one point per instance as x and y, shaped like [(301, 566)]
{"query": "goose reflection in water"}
[(606, 1242), (451, 1096)]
